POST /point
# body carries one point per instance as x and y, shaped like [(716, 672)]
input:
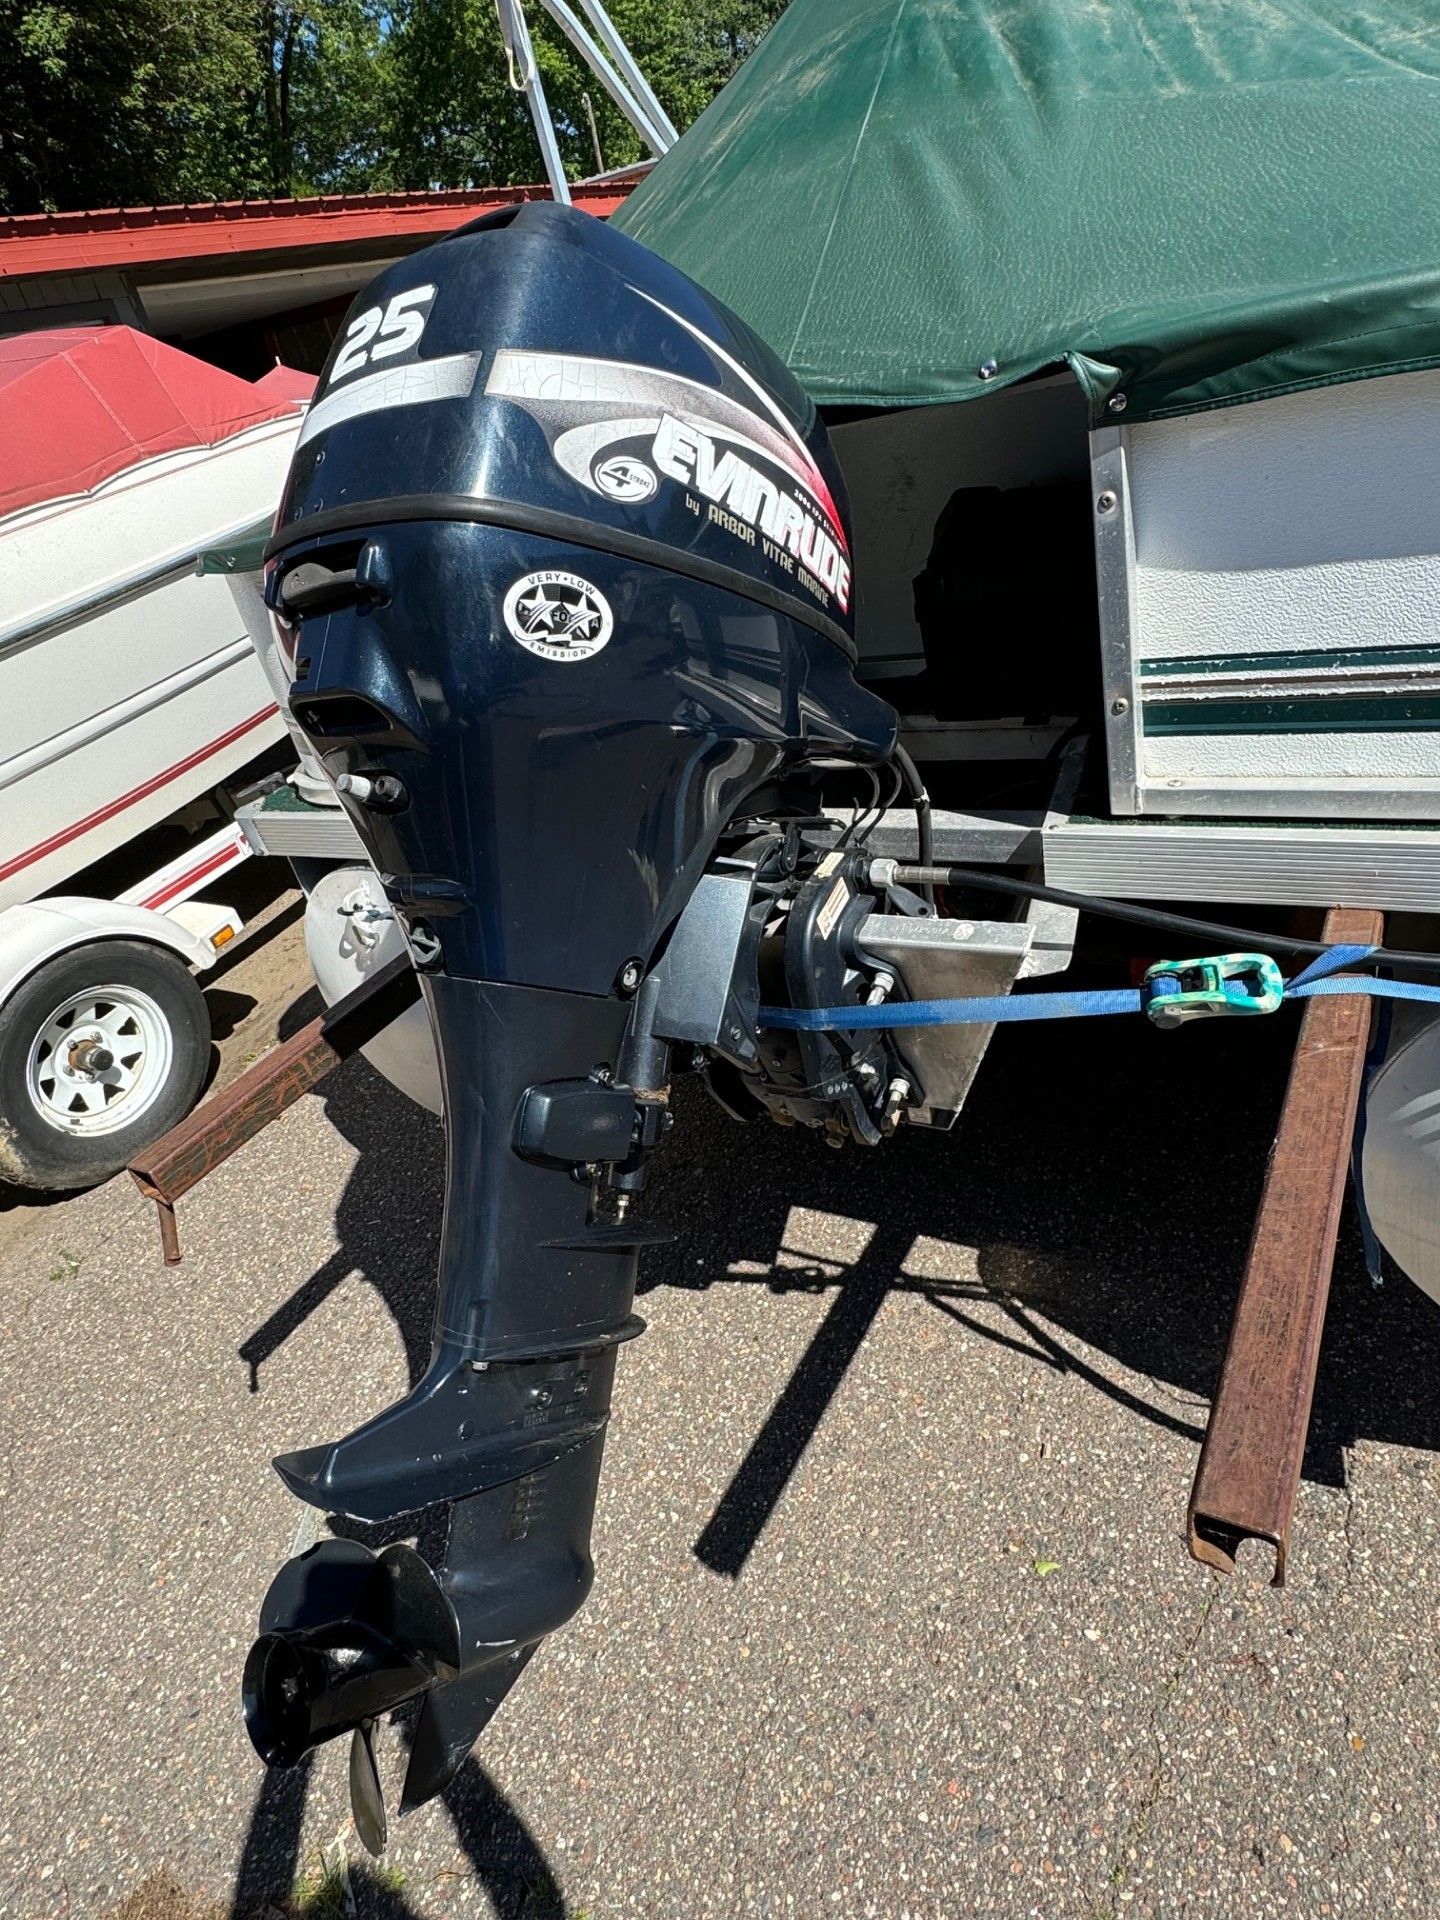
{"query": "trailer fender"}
[(1400, 1154), (350, 935), (34, 933)]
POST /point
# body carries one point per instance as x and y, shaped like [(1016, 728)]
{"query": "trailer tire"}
[(73, 1111)]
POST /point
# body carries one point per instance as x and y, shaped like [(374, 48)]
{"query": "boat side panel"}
[(1286, 599), (65, 815), (66, 549)]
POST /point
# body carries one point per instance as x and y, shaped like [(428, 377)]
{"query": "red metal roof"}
[(135, 237)]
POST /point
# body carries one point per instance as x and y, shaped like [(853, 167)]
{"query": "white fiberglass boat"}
[(127, 682), (129, 691)]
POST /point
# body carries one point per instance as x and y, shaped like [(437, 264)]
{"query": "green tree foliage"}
[(121, 102), (106, 102), (321, 90), (455, 120)]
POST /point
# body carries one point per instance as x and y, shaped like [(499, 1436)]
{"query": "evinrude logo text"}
[(620, 429), (694, 455), (558, 615)]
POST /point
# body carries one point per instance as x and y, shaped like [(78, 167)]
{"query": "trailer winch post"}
[(1249, 1470)]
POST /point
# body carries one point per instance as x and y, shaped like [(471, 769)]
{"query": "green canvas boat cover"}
[(1190, 202)]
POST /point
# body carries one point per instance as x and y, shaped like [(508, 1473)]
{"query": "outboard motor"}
[(564, 567)]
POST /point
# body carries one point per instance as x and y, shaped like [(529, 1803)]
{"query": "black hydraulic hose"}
[(1242, 937), (924, 826)]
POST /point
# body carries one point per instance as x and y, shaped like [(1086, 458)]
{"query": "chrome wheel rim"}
[(99, 1060)]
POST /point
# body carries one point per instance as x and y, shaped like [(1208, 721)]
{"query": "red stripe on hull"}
[(226, 857), (135, 795)]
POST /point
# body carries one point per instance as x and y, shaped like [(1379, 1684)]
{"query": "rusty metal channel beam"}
[(219, 1125), (1249, 1471)]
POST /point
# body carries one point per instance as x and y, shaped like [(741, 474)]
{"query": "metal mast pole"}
[(648, 120), (630, 72), (525, 78)]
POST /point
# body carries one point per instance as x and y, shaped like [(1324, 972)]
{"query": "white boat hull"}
[(128, 683)]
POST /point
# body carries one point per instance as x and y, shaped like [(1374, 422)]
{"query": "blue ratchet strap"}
[(1322, 977), (1316, 979), (955, 1013), (1329, 962)]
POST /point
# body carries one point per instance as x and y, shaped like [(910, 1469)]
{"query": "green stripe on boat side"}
[(1392, 713), (1288, 662)]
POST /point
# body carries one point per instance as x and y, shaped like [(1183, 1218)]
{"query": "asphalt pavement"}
[(893, 1614)]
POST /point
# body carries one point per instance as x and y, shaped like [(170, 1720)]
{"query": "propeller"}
[(367, 1800), (346, 1635)]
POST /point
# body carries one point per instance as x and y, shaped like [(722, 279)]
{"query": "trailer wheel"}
[(102, 1050)]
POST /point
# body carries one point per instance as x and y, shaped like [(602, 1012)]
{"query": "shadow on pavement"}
[(503, 1856), (227, 1010), (1106, 1181), (387, 1220)]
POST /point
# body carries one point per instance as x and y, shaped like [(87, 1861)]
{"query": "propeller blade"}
[(367, 1802), (451, 1720)]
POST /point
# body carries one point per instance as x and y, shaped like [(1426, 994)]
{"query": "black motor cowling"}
[(564, 562)]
